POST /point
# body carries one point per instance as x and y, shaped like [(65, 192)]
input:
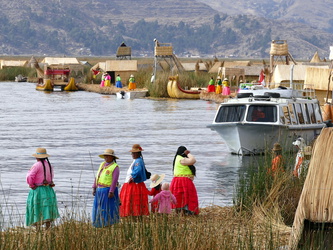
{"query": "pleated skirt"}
[(186, 194), (134, 199), (105, 210), (41, 206)]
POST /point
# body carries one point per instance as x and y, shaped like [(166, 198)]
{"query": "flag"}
[(262, 78)]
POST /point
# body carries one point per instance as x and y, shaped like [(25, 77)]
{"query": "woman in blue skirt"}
[(42, 201), (106, 203)]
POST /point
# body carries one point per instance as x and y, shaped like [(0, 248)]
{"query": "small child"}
[(164, 199), (155, 189)]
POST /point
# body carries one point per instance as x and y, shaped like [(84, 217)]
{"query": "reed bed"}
[(214, 228)]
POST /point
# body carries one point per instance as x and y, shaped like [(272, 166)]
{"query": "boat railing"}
[(302, 90)]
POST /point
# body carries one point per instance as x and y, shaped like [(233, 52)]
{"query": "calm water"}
[(77, 126)]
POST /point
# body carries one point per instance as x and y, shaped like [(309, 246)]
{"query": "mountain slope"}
[(97, 27)]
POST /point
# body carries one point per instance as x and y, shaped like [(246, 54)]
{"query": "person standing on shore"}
[(164, 199), (106, 202), (182, 185), (155, 189), (103, 80), (118, 82), (277, 165), (42, 208), (211, 85), (107, 82), (131, 83), (226, 87), (218, 89), (134, 194)]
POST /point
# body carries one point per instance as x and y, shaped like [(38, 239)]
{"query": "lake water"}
[(75, 127)]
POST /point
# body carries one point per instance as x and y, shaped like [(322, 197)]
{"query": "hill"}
[(97, 27)]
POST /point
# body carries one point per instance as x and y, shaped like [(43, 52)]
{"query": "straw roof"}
[(315, 58), (192, 66), (12, 63), (215, 68), (60, 61), (315, 203)]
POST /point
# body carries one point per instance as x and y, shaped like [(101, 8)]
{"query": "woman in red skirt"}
[(134, 194), (182, 185)]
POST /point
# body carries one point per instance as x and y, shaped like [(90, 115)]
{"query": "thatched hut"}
[(314, 214)]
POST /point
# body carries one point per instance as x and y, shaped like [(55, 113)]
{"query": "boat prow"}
[(176, 91), (71, 86), (47, 86), (255, 120)]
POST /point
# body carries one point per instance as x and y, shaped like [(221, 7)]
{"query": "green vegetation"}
[(9, 73)]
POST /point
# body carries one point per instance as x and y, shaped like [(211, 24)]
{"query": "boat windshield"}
[(261, 113), (233, 113)]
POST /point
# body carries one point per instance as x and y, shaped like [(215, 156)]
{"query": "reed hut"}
[(314, 214), (12, 63)]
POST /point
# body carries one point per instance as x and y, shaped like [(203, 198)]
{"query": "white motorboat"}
[(257, 118), (132, 94)]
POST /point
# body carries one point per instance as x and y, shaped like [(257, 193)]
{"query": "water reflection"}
[(77, 126)]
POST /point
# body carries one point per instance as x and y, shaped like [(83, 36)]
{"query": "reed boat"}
[(131, 94), (257, 118), (71, 86), (47, 86), (176, 91)]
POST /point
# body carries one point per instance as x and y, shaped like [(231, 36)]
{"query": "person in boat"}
[(103, 80), (164, 199), (155, 186), (134, 194), (218, 89), (182, 186), (118, 82), (277, 165), (105, 210), (298, 168), (131, 83), (211, 85), (42, 208), (123, 44), (226, 87), (107, 82), (258, 114)]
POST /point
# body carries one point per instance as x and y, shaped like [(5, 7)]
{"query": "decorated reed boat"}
[(47, 86), (257, 118), (176, 91), (71, 86)]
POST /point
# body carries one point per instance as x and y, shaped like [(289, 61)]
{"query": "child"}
[(156, 188), (164, 199)]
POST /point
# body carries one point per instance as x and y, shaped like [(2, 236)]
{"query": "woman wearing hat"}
[(42, 201), (106, 203), (134, 194), (107, 82), (182, 185), (226, 87), (218, 89), (131, 83), (118, 82), (103, 80), (155, 186)]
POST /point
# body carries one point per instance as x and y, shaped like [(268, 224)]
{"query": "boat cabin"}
[(253, 122)]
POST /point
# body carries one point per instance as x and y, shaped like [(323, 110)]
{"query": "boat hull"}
[(248, 139), (175, 91), (47, 86), (71, 86), (131, 94)]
